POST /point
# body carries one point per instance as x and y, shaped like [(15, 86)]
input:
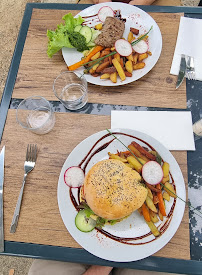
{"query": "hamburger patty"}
[(113, 190), (112, 30)]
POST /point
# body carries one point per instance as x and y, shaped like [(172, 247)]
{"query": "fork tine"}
[(35, 152), (27, 154)]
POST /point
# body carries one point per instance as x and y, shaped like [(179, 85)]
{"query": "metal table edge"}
[(75, 254), (79, 255)]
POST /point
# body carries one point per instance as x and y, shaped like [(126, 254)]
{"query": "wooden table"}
[(31, 72)]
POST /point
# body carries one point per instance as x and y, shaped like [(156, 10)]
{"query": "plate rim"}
[(119, 82), (179, 203)]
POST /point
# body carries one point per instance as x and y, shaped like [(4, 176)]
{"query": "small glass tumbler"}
[(71, 90), (35, 114)]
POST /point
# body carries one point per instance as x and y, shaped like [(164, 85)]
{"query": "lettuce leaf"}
[(60, 38)]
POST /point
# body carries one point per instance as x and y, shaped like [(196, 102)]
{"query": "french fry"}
[(153, 216), (113, 156), (137, 166), (102, 67), (139, 66), (153, 228), (117, 56), (119, 69), (130, 37), (150, 204), (166, 196), (129, 66), (142, 57), (170, 189), (165, 168), (96, 56), (113, 77), (105, 76)]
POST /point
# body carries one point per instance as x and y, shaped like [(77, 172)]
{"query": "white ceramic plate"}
[(136, 18), (134, 226)]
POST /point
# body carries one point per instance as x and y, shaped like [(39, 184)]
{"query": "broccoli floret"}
[(78, 41)]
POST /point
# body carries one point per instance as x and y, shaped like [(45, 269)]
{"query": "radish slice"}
[(152, 172), (74, 177), (123, 47), (141, 47), (104, 12)]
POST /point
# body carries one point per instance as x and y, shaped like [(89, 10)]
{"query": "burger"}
[(111, 192)]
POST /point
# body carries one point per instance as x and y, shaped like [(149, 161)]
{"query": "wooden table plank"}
[(40, 221), (37, 72)]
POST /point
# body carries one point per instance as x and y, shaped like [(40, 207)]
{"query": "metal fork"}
[(190, 70), (29, 164)]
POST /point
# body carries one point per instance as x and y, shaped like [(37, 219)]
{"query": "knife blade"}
[(182, 71), (2, 156)]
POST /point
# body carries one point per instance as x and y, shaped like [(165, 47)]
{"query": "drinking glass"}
[(71, 90), (35, 114)]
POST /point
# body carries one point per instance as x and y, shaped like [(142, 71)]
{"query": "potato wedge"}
[(150, 204), (139, 66), (95, 56), (142, 57), (149, 194), (113, 156), (113, 77), (153, 228), (137, 166), (130, 37), (153, 216), (160, 215), (118, 57), (135, 58), (129, 66), (130, 57), (166, 179), (170, 189), (105, 76), (119, 69), (166, 196), (165, 168)]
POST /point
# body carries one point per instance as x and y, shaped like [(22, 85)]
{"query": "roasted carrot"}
[(86, 59), (143, 151), (161, 202), (145, 213)]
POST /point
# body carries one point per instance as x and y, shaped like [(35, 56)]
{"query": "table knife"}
[(181, 71), (2, 154)]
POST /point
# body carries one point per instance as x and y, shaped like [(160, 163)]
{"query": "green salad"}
[(71, 34)]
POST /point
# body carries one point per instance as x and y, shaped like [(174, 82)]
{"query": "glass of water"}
[(71, 90), (35, 114)]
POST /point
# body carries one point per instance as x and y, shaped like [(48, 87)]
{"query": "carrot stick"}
[(86, 59), (161, 202), (145, 213)]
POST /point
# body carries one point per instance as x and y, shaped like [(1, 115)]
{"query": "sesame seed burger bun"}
[(113, 190)]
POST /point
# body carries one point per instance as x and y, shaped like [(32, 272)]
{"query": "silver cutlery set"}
[(29, 165), (187, 70)]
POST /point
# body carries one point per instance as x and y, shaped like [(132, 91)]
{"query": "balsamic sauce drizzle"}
[(128, 241)]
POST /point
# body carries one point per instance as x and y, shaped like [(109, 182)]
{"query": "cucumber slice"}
[(83, 223), (87, 33), (77, 28)]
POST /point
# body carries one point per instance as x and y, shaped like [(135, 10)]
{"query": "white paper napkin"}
[(172, 129), (189, 42)]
